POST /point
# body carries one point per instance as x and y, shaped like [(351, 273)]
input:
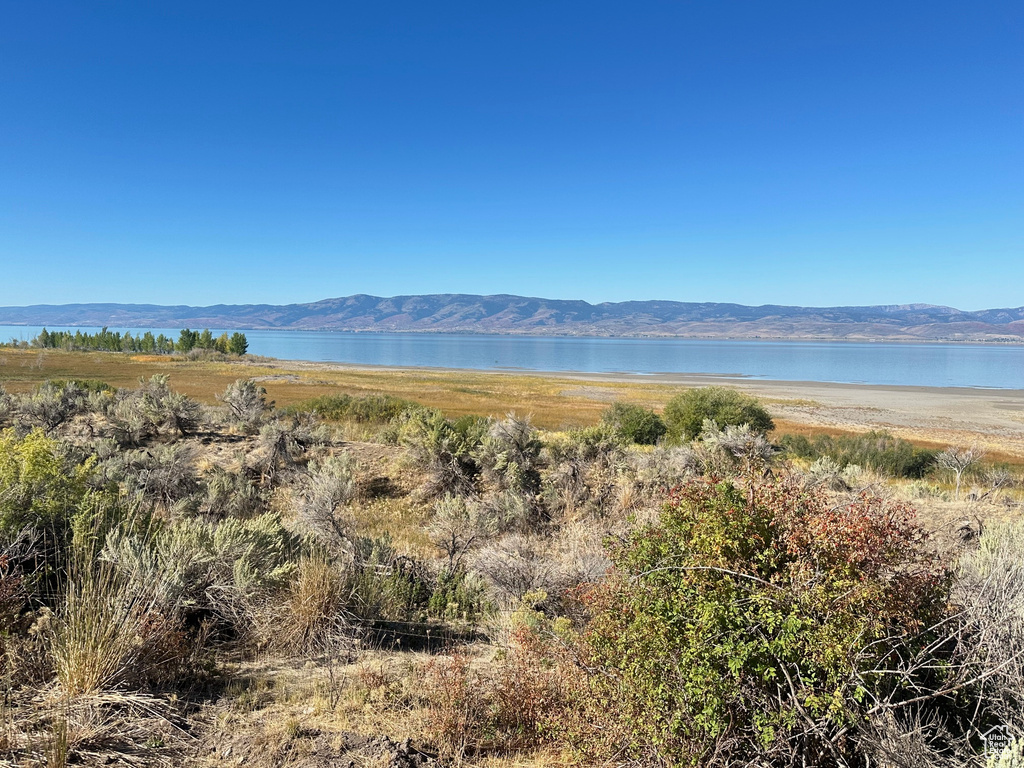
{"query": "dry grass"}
[(312, 620), (301, 712), (456, 393), (305, 712), (100, 631), (403, 519), (553, 402), (51, 730)]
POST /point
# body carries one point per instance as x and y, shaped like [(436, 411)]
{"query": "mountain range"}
[(506, 314)]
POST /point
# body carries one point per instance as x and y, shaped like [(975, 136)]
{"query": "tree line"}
[(114, 341)]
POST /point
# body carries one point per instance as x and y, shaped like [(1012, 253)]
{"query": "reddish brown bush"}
[(458, 711), (12, 596), (532, 691), (757, 623)]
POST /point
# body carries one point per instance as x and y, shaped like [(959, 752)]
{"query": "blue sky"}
[(801, 153)]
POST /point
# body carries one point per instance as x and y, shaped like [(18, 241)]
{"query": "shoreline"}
[(1013, 340), (624, 377), (936, 415)]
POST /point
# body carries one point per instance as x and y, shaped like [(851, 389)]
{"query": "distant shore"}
[(547, 334)]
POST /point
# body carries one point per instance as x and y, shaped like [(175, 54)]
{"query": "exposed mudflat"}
[(992, 417)]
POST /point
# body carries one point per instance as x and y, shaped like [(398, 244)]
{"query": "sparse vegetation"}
[(958, 460), (356, 570)]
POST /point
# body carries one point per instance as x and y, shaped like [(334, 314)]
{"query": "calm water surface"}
[(936, 365)]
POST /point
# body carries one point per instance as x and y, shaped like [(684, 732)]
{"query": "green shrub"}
[(597, 443), (509, 455), (634, 423), (246, 403), (41, 486), (7, 407), (51, 406), (164, 475), (230, 494), (750, 622), (87, 385), (383, 585), (458, 596), (371, 409), (686, 413), (378, 409), (330, 486), (223, 569), (585, 465), (878, 451), (446, 450)]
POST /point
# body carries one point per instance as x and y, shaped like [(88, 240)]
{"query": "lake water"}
[(999, 366)]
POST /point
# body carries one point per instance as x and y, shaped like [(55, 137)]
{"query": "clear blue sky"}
[(760, 152)]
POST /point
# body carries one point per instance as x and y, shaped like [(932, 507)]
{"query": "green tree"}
[(238, 345), (205, 340), (634, 423), (187, 340), (686, 412)]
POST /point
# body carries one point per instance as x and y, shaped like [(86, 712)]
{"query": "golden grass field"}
[(927, 417)]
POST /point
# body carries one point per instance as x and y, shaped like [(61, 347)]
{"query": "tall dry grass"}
[(100, 632), (990, 591), (314, 618)]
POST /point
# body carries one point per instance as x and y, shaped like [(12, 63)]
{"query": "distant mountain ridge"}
[(507, 314)]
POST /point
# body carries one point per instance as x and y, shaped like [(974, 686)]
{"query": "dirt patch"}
[(301, 747), (288, 377)]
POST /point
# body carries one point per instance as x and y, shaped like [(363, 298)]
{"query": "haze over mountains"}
[(505, 314)]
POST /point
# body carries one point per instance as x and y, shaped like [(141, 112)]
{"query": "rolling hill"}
[(506, 314)]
